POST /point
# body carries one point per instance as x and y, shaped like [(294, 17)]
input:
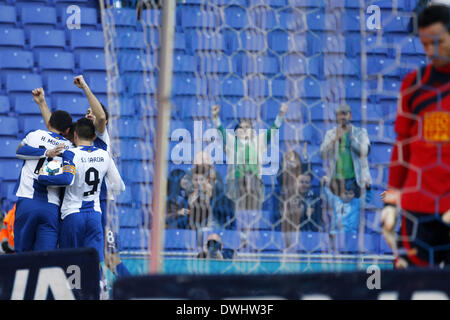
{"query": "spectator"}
[(346, 148), (177, 200), (310, 204), (7, 232), (212, 248), (244, 184), (346, 208), (200, 197)]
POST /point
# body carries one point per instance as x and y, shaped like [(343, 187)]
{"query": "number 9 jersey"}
[(84, 169)]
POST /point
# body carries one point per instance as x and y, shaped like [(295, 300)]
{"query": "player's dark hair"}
[(85, 129), (434, 14), (106, 111), (60, 120)]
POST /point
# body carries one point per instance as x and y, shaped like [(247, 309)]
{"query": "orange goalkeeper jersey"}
[(7, 231)]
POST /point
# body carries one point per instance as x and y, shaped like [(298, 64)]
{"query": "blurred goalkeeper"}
[(419, 175)]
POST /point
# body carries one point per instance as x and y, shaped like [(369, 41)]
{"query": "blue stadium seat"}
[(30, 123), (57, 2), (4, 105), (23, 103), (151, 18), (130, 218), (16, 61), (184, 63), (395, 23), (134, 149), (7, 190), (10, 169), (8, 147), (98, 82), (262, 17), (272, 3), (189, 85), (74, 104), (88, 18), (180, 240), (86, 39), (383, 66), (351, 20), (63, 61), (320, 21), (247, 64), (7, 16), (293, 20), (129, 128), (142, 192), (338, 66), (57, 82), (130, 40), (371, 243), (136, 62), (134, 239), (123, 17), (265, 241), (384, 247), (203, 41), (257, 86), (307, 3), (12, 38), (280, 88), (92, 61), (309, 88), (297, 112), (213, 63), (380, 153), (126, 109), (236, 17), (247, 109), (313, 242), (294, 64), (140, 84), (191, 18), (126, 197), (247, 40), (24, 82), (46, 39), (38, 16), (196, 108), (232, 86)]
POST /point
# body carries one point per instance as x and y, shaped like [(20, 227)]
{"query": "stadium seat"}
[(88, 18), (7, 16), (123, 17), (21, 61), (126, 108), (265, 241), (137, 63), (317, 20), (247, 40), (29, 123), (124, 199), (61, 61), (134, 239), (236, 17), (380, 153), (142, 193), (23, 103), (262, 17), (24, 82), (76, 105), (384, 247), (294, 64), (140, 84), (134, 149), (338, 66), (129, 128), (47, 39), (12, 38), (151, 18), (92, 61), (203, 41), (213, 63), (4, 105), (184, 63), (313, 242), (8, 147), (192, 18), (232, 86), (86, 39), (57, 82), (38, 16), (189, 85), (130, 40), (257, 86), (196, 108), (180, 240), (7, 190), (130, 218), (395, 23), (98, 82), (351, 19), (248, 64), (307, 3), (10, 168), (293, 20)]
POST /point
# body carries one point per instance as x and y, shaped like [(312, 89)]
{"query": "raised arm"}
[(39, 98), (278, 120), (96, 107)]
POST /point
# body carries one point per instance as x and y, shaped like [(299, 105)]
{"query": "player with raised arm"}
[(36, 222), (84, 169), (419, 175)]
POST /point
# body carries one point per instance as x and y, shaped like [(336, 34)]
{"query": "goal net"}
[(256, 86)]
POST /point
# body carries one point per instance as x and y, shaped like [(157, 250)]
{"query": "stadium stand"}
[(36, 49)]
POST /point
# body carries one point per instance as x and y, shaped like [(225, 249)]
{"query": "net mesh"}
[(249, 58)]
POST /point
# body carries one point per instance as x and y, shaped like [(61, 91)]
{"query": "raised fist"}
[(38, 95), (215, 109), (80, 82)]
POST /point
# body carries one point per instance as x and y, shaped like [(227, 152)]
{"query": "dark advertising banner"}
[(373, 284), (60, 275)]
